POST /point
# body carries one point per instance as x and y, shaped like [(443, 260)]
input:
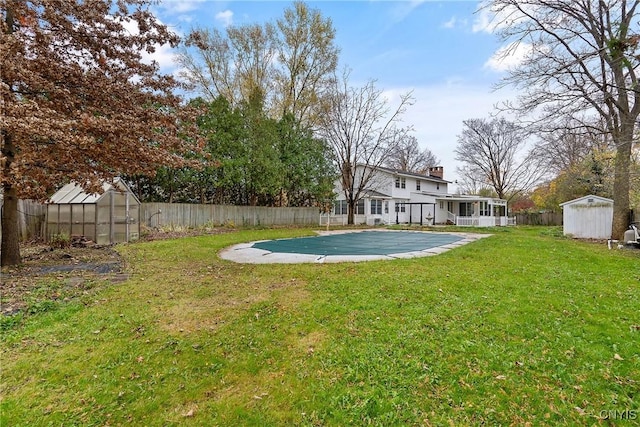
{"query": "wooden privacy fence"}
[(31, 216), (194, 215), (539, 218)]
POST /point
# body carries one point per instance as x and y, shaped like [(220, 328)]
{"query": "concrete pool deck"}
[(249, 254)]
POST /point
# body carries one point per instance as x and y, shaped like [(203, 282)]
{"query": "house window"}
[(403, 183), (397, 182), (484, 209), (340, 207), (450, 207), (386, 207), (466, 209), (376, 207), (441, 205), (417, 185)]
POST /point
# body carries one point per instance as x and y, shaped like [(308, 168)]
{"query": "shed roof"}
[(74, 193), (588, 199)]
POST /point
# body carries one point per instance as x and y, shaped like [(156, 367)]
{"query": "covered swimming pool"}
[(352, 245), (363, 243)]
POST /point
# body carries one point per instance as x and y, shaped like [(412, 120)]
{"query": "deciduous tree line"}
[(579, 94)]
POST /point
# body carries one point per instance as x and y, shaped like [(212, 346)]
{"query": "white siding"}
[(586, 220)]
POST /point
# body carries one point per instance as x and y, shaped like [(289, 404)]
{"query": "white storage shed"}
[(588, 217)]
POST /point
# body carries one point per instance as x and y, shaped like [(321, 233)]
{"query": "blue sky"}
[(441, 50)]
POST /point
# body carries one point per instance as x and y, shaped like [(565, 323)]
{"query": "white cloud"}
[(403, 9), (225, 17), (484, 22), (180, 6), (451, 23), (490, 20), (508, 56), (164, 55)]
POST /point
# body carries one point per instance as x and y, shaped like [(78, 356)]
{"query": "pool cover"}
[(360, 243)]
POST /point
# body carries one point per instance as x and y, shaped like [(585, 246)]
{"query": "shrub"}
[(60, 241)]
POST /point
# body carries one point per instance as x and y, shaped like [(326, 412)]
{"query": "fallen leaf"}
[(617, 357), (501, 377), (580, 410)]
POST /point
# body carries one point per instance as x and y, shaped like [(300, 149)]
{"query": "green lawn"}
[(522, 327)]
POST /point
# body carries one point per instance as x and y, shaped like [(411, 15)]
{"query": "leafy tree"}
[(309, 172), (78, 101), (582, 57), (494, 152), (262, 167), (408, 157), (362, 130), (258, 160)]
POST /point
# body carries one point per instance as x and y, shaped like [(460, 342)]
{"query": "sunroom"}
[(472, 211)]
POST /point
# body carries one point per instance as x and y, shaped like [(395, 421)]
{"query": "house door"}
[(497, 214)]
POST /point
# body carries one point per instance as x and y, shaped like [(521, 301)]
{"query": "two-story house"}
[(398, 197)]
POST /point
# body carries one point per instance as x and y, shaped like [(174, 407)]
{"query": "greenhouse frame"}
[(107, 218)]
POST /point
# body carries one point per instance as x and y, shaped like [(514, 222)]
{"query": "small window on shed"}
[(589, 200)]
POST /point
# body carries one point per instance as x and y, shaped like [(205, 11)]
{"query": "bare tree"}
[(308, 58), (362, 129), (234, 65), (561, 148), (406, 156), (469, 181), (78, 102), (494, 153), (582, 57), (291, 62)]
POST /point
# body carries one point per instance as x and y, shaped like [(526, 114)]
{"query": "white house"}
[(397, 197), (588, 217)]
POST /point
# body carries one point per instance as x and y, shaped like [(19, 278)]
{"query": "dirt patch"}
[(48, 275)]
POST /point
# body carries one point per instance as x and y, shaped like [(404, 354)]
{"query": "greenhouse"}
[(107, 218)]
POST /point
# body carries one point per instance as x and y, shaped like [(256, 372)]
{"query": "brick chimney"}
[(437, 172)]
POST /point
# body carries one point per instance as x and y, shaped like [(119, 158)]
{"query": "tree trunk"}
[(621, 185), (10, 248), (10, 233), (351, 210)]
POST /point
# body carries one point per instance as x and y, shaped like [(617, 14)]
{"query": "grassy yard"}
[(522, 327)]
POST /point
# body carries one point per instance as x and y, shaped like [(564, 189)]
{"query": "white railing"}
[(484, 221), (467, 221), (451, 217)]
